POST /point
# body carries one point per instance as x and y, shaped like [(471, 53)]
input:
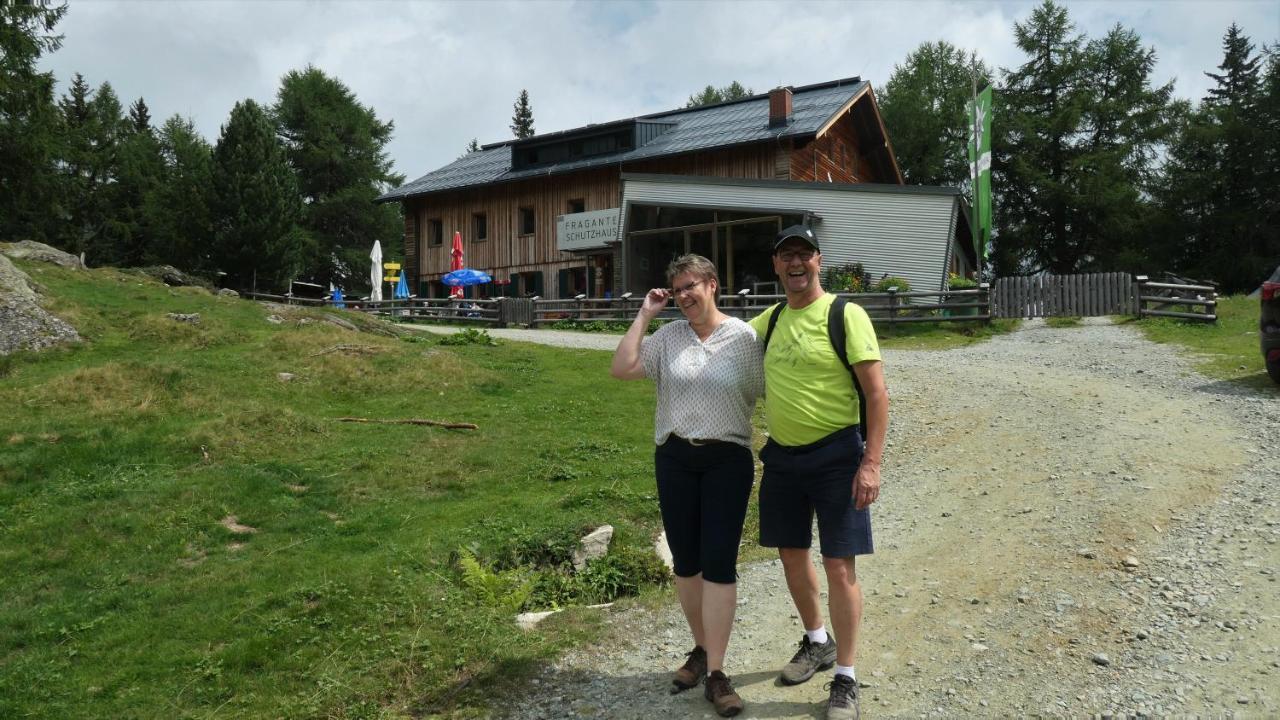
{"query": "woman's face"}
[(694, 295)]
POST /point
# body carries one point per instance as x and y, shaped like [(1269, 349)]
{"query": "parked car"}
[(1269, 324)]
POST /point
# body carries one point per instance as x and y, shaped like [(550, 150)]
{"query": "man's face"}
[(797, 263)]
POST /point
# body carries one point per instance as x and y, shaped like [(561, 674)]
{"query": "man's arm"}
[(866, 483)]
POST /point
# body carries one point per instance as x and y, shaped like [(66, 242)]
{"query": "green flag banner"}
[(980, 170)]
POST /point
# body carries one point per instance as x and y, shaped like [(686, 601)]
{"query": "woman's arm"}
[(627, 364)]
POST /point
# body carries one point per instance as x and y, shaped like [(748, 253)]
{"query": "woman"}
[(708, 372)]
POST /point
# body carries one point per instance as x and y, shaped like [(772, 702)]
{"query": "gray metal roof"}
[(722, 125)]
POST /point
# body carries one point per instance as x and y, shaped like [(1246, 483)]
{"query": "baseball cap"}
[(803, 232)]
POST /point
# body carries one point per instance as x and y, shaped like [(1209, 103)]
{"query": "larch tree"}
[(522, 117)]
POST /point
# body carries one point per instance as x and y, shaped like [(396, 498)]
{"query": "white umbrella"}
[(375, 274)]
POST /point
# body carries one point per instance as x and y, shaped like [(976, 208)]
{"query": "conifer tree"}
[(182, 226), (140, 116), (256, 206), (522, 117), (29, 193)]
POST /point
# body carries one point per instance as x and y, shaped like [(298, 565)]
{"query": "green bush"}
[(955, 282), (889, 281), (844, 278), (468, 336)]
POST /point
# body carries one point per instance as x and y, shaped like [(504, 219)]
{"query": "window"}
[(577, 205), (479, 227), (526, 221), (435, 232)]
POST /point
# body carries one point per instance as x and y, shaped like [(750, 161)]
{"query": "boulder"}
[(228, 293), (663, 551), (24, 325), (39, 252), (594, 545), (170, 275), (192, 318)]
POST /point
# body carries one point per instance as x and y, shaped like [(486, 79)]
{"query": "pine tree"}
[(182, 226), (473, 146), (522, 117), (710, 95), (337, 147), (29, 184), (79, 184), (108, 233), (256, 205), (924, 108), (140, 116)]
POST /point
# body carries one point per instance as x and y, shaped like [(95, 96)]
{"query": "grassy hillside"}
[(1228, 349), (183, 532)]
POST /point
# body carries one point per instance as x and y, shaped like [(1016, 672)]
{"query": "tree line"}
[(1098, 167), (286, 191)]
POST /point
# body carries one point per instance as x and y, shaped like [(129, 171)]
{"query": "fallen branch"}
[(357, 349), (413, 421)]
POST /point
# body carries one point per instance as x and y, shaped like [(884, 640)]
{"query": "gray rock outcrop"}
[(31, 250), (594, 545), (24, 325)]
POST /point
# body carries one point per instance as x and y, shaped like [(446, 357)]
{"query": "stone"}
[(275, 319), (24, 324), (192, 318), (530, 620), (1101, 659), (39, 252), (1130, 562), (172, 276), (594, 545), (285, 376), (228, 293)]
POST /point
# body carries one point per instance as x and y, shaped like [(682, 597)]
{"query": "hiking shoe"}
[(721, 694), (692, 672), (843, 704), (809, 659)]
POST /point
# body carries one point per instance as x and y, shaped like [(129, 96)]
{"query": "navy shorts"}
[(802, 481), (703, 492)]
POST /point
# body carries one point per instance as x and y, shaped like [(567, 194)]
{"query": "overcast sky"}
[(448, 72)]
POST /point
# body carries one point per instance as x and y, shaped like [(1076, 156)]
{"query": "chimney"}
[(779, 107)]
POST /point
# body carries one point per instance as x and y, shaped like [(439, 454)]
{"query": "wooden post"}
[(893, 305)]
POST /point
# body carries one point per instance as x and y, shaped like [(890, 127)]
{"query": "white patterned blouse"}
[(707, 390)]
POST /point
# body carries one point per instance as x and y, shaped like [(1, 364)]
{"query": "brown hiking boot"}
[(692, 672), (721, 694)]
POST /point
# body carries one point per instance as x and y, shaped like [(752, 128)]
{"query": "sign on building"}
[(587, 230)]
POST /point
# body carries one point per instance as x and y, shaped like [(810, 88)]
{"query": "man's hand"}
[(866, 484)]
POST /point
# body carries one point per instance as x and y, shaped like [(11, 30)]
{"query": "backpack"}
[(836, 334)]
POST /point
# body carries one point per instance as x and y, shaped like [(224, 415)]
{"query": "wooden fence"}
[(1085, 295), (1169, 297)]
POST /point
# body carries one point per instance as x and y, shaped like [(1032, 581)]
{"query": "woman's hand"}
[(654, 301)]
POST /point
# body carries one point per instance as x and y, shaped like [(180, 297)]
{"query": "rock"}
[(228, 293), (39, 252), (275, 319), (594, 545), (663, 550), (193, 318), (341, 322), (1086, 553), (1101, 659), (979, 647), (24, 325), (285, 376), (1130, 562), (170, 275), (530, 620)]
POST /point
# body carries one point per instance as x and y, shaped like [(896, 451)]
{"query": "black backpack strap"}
[(836, 333), (773, 322)]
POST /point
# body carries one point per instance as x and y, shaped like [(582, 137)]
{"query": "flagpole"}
[(974, 221)]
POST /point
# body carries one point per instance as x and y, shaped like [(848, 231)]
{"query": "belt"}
[(839, 435), (697, 442)]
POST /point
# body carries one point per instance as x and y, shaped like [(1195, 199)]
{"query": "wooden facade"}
[(839, 153)]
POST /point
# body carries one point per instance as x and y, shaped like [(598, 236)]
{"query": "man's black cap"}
[(802, 232)]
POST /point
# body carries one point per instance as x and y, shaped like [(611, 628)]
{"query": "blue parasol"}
[(466, 276), (402, 289)]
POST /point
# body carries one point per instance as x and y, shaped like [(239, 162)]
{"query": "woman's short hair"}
[(695, 264)]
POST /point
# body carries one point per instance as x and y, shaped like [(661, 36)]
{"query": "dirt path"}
[(1073, 523)]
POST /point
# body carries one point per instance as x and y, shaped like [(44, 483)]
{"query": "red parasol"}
[(456, 252)]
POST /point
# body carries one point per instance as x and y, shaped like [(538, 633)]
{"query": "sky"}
[(447, 72)]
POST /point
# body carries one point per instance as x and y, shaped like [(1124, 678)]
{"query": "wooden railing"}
[(411, 309), (1166, 295)]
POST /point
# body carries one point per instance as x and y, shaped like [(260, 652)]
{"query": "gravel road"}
[(1073, 523)]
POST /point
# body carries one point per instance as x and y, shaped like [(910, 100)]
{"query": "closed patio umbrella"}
[(375, 273), (456, 264)]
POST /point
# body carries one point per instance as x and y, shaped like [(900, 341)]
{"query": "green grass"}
[(1063, 322), (1227, 350), (126, 596), (941, 335)]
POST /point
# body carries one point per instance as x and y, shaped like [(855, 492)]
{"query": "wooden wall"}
[(837, 152)]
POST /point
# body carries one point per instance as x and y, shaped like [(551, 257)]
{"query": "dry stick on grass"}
[(414, 421), (357, 349)]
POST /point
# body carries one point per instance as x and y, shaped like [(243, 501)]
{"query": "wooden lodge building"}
[(600, 210)]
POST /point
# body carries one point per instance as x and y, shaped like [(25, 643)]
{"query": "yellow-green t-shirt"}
[(808, 391)]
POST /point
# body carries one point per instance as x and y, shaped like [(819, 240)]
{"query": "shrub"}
[(844, 278), (889, 281), (468, 336), (955, 282)]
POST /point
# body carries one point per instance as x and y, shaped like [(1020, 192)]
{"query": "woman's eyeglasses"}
[(676, 291)]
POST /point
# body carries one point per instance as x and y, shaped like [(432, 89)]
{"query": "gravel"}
[(1073, 523)]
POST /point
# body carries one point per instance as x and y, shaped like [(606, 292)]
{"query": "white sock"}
[(818, 636), (846, 670)]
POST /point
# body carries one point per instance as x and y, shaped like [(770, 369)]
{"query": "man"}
[(815, 461)]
